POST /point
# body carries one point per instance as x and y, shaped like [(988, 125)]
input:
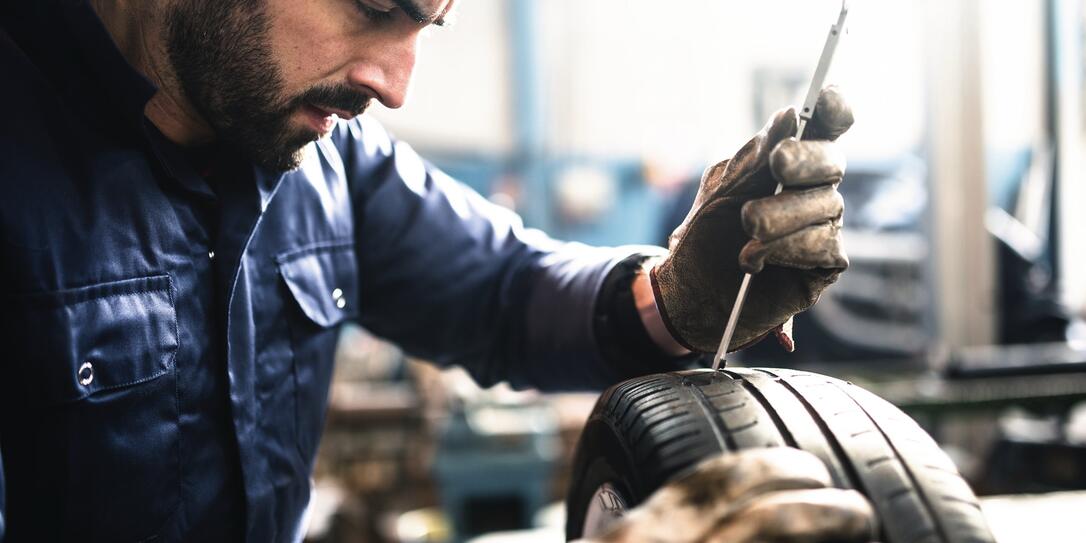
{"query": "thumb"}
[(755, 154), (782, 125)]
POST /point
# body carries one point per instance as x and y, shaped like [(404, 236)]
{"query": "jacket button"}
[(341, 303), (211, 255), (86, 374), (337, 294)]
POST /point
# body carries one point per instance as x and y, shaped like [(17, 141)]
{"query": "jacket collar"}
[(72, 48), (70, 45)]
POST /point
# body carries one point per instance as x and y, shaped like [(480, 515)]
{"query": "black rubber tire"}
[(644, 431)]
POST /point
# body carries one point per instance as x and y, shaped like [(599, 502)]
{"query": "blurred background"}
[(594, 120)]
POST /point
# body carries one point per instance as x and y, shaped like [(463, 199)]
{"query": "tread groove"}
[(745, 426), (721, 395), (648, 427), (955, 499), (752, 389), (943, 469), (838, 450), (631, 401), (665, 443), (723, 436), (728, 408), (648, 410), (645, 431), (935, 517), (877, 461)]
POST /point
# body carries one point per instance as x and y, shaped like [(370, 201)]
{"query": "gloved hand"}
[(775, 494), (794, 238)]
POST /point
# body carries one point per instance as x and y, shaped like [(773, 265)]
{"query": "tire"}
[(644, 431)]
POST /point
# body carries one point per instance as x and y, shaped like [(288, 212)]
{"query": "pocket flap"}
[(80, 341), (322, 280)]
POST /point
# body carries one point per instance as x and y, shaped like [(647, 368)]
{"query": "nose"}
[(386, 67)]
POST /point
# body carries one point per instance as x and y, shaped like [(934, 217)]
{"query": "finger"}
[(755, 154), (832, 116), (817, 246), (817, 515), (798, 164), (710, 181), (769, 218)]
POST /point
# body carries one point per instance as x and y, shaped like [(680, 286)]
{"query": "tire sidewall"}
[(602, 457)]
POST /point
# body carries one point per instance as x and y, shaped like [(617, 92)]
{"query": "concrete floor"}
[(1038, 518)]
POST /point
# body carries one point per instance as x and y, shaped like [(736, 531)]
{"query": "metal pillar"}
[(964, 254), (1066, 58), (529, 112)]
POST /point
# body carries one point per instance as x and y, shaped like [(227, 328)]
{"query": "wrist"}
[(649, 312)]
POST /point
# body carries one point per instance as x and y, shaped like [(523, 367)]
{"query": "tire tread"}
[(665, 424)]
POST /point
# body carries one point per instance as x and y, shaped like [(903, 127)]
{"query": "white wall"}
[(665, 80), (673, 81), (460, 98)]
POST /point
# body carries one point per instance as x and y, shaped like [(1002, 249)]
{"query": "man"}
[(185, 224)]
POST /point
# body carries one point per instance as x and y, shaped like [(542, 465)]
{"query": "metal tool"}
[(805, 115)]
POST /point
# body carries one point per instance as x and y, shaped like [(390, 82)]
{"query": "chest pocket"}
[(83, 341), (323, 281), (98, 364)]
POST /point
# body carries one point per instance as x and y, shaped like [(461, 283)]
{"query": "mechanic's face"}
[(270, 75)]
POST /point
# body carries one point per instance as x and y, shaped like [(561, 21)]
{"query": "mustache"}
[(337, 97)]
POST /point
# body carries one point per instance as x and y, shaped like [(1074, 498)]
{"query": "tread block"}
[(646, 430)]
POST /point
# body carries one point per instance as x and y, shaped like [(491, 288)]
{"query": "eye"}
[(375, 15)]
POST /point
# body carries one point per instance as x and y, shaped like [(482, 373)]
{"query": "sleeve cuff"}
[(644, 293), (624, 342)]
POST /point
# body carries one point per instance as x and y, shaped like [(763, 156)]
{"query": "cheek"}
[(306, 40)]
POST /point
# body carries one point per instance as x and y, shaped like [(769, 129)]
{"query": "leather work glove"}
[(757, 495), (736, 225)]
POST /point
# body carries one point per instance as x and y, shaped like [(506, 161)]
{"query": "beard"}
[(221, 55)]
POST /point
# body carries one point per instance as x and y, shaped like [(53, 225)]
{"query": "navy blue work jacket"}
[(167, 343)]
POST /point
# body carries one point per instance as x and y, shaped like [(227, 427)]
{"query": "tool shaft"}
[(733, 319), (805, 114)]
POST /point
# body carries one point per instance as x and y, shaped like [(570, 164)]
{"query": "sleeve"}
[(623, 339), (3, 497), (454, 279)]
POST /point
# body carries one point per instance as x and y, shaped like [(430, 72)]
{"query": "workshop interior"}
[(963, 305)]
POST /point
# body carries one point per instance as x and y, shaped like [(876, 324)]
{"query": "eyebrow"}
[(415, 12)]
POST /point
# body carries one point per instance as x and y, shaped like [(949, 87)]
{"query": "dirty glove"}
[(757, 495), (791, 240)]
